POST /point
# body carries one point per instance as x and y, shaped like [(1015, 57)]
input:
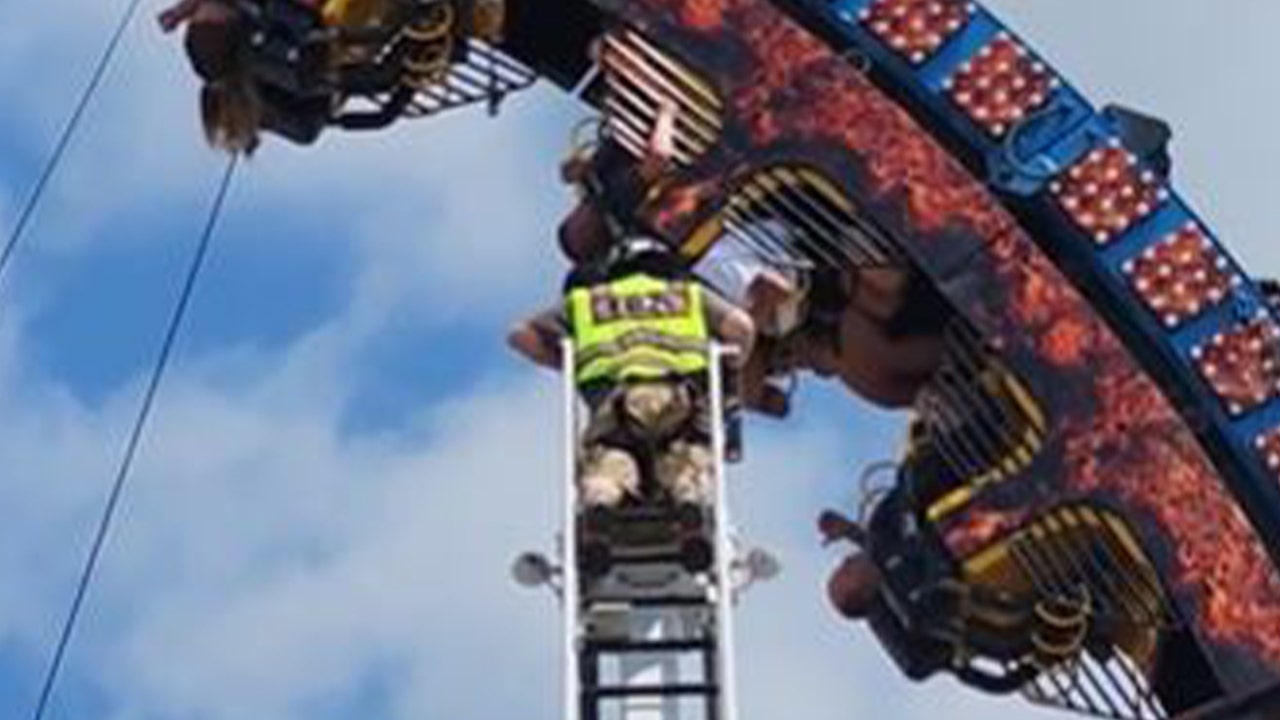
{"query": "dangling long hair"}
[(231, 107), (231, 112)]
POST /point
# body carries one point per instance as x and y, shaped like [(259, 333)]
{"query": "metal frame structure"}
[(1030, 165), (642, 641), (1101, 222)]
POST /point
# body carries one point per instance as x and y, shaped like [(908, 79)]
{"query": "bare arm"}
[(732, 326), (538, 338), (662, 143)]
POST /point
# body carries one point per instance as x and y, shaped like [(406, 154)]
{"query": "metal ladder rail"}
[(570, 591), (650, 684), (726, 678)]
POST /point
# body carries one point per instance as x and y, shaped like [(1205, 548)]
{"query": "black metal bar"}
[(762, 243), (753, 212), (1045, 579), (649, 646), (655, 601), (711, 671), (845, 223), (588, 678), (625, 691), (1264, 699), (1061, 545), (807, 223)]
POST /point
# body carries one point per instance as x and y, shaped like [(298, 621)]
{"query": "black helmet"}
[(643, 254)]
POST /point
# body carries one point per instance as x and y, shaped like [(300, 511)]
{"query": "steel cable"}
[(131, 448), (68, 133)]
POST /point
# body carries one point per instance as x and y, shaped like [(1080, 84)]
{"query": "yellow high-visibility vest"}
[(638, 328)]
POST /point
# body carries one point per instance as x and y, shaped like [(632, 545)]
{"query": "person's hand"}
[(574, 170), (774, 302), (835, 527), (175, 15), (662, 143)]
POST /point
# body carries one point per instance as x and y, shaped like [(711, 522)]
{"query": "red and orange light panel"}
[(916, 29), (1001, 85), (1181, 276), (1106, 193), (1242, 365), (1268, 445)]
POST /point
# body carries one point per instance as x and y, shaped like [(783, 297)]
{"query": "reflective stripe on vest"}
[(639, 327)]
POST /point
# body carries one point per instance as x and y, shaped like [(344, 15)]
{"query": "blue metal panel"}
[(1063, 132), (1031, 155)]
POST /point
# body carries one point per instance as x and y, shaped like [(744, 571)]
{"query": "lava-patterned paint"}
[(1116, 439)]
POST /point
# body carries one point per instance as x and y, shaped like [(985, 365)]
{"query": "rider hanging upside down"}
[(640, 328), (236, 104), (231, 109), (613, 187), (293, 67)]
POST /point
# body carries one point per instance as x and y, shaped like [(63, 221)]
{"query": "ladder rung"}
[(645, 557), (652, 514), (641, 646), (619, 691), (692, 560), (653, 601)]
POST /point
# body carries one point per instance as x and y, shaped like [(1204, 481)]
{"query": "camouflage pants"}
[(665, 418)]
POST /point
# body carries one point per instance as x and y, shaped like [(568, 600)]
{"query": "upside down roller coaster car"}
[(1088, 511)]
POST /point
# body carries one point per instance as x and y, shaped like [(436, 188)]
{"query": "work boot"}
[(695, 533), (608, 476), (595, 558), (595, 555), (697, 553), (685, 471)]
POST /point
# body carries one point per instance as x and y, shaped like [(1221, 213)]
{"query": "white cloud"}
[(262, 562), (266, 565)]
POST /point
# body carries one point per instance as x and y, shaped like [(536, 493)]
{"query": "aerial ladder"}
[(647, 606)]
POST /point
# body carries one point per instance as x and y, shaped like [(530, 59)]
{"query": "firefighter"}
[(640, 326)]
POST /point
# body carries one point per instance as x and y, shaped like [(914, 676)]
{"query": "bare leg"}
[(884, 370), (854, 585)]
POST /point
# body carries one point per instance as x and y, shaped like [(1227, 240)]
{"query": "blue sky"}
[(345, 459)]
